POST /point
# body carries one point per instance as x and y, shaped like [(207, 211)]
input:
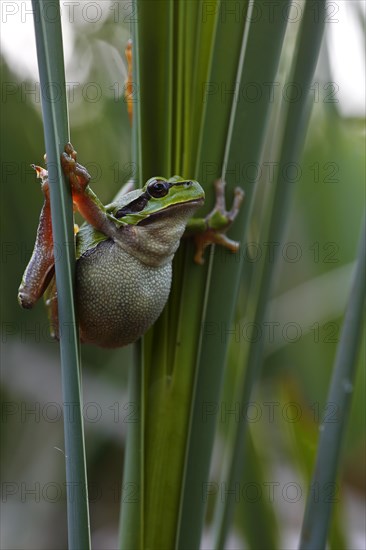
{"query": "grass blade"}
[(318, 511), (209, 162), (132, 495), (260, 50), (295, 127), (54, 107), (131, 524)]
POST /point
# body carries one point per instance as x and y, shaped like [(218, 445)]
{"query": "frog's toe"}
[(78, 175), (24, 300), (67, 163), (42, 173), (69, 150), (238, 200)]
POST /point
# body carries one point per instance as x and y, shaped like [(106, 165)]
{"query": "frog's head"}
[(161, 198), (154, 218)]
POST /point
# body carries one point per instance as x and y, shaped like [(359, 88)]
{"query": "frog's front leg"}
[(212, 228), (41, 266), (85, 200)]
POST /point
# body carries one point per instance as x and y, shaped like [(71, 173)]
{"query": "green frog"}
[(124, 251)]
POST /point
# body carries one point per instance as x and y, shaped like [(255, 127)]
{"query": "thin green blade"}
[(51, 67)]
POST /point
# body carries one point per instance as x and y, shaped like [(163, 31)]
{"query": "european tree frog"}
[(124, 252)]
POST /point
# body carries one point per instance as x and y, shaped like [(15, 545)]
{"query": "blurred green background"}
[(302, 331)]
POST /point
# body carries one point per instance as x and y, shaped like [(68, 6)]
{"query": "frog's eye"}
[(158, 188)]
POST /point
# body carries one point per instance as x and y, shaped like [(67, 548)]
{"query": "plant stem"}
[(318, 510), (304, 64), (54, 107)]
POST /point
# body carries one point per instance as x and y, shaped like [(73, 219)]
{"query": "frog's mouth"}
[(169, 210)]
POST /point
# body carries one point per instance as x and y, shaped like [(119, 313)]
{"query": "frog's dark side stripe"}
[(135, 206), (156, 189)]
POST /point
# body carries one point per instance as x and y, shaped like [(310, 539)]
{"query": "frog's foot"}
[(218, 221), (77, 174), (220, 218), (85, 201), (203, 240)]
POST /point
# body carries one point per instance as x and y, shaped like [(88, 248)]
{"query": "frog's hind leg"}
[(41, 266)]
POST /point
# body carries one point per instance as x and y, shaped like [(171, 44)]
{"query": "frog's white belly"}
[(117, 296)]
